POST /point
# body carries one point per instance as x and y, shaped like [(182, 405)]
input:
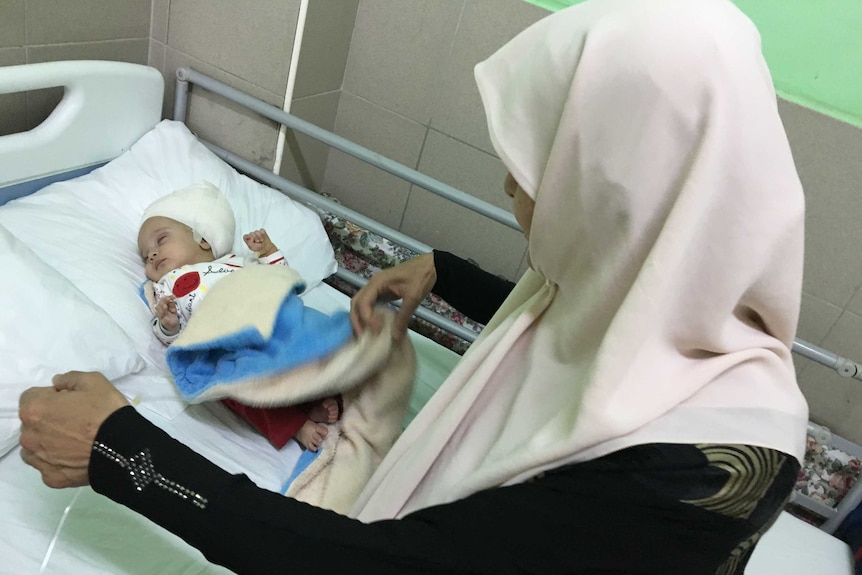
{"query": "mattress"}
[(73, 247), (793, 547), (78, 531)]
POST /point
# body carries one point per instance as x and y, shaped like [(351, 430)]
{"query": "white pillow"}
[(87, 228), (48, 327)]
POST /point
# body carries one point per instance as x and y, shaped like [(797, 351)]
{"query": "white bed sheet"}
[(76, 531), (793, 547)]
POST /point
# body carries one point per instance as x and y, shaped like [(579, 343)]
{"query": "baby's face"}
[(166, 244)]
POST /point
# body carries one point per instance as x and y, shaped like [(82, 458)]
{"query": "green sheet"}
[(435, 364)]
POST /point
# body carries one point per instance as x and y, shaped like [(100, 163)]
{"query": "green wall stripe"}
[(813, 49)]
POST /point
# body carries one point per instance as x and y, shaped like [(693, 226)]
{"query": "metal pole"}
[(181, 96), (302, 194), (842, 365), (373, 158), (421, 312)]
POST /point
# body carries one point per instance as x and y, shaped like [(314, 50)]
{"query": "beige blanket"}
[(373, 373)]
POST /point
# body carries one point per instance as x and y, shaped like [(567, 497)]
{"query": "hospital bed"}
[(72, 191)]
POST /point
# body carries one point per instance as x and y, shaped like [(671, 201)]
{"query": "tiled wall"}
[(828, 156), (409, 94), (248, 45), (244, 44), (323, 56), (47, 30)]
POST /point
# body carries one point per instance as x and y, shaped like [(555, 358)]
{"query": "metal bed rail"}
[(302, 194), (185, 76)]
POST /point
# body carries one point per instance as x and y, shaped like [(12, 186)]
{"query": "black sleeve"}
[(251, 530), (470, 289)]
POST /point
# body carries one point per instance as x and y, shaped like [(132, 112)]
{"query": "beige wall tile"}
[(325, 46), (398, 52), (484, 27), (466, 168), (55, 21), (13, 107), (816, 318), (836, 401), (11, 23), (855, 304), (156, 56), (12, 56), (13, 113), (251, 40), (135, 51), (40, 103), (159, 20), (850, 428), (827, 155), (304, 158), (444, 226), (447, 226), (217, 120), (845, 337), (828, 403), (175, 59), (362, 187)]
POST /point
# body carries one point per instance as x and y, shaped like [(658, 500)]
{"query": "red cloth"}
[(277, 424)]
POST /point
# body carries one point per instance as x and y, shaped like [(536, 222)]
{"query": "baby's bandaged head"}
[(204, 209)]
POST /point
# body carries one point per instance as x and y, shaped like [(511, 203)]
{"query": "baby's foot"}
[(325, 412), (311, 435)]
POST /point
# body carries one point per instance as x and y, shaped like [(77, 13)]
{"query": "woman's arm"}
[(251, 530), (82, 431), (470, 289)]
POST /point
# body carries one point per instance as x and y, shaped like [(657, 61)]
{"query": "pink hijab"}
[(666, 249)]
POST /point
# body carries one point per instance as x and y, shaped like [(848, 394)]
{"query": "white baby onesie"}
[(189, 284)]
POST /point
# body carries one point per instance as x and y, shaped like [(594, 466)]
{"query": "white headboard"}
[(106, 107)]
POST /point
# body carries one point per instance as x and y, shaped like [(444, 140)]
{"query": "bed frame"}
[(187, 76), (140, 88)]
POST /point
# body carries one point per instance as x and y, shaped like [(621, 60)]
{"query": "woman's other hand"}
[(59, 425), (410, 281)]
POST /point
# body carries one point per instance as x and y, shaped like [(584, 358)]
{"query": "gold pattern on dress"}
[(751, 471)]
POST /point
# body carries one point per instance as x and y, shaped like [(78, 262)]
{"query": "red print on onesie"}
[(186, 284)]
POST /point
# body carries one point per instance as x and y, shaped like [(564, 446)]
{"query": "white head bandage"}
[(204, 209)]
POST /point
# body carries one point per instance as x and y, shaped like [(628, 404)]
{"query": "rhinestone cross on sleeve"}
[(142, 473)]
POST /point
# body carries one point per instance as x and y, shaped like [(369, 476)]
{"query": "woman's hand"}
[(410, 282), (59, 425)]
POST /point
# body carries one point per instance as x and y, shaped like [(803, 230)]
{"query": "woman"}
[(632, 407)]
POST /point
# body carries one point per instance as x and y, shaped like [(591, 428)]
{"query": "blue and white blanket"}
[(253, 340), (298, 335)]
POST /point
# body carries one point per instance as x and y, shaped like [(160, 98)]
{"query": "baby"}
[(185, 241)]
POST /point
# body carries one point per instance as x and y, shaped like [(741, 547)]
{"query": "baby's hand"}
[(258, 241), (166, 311)]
